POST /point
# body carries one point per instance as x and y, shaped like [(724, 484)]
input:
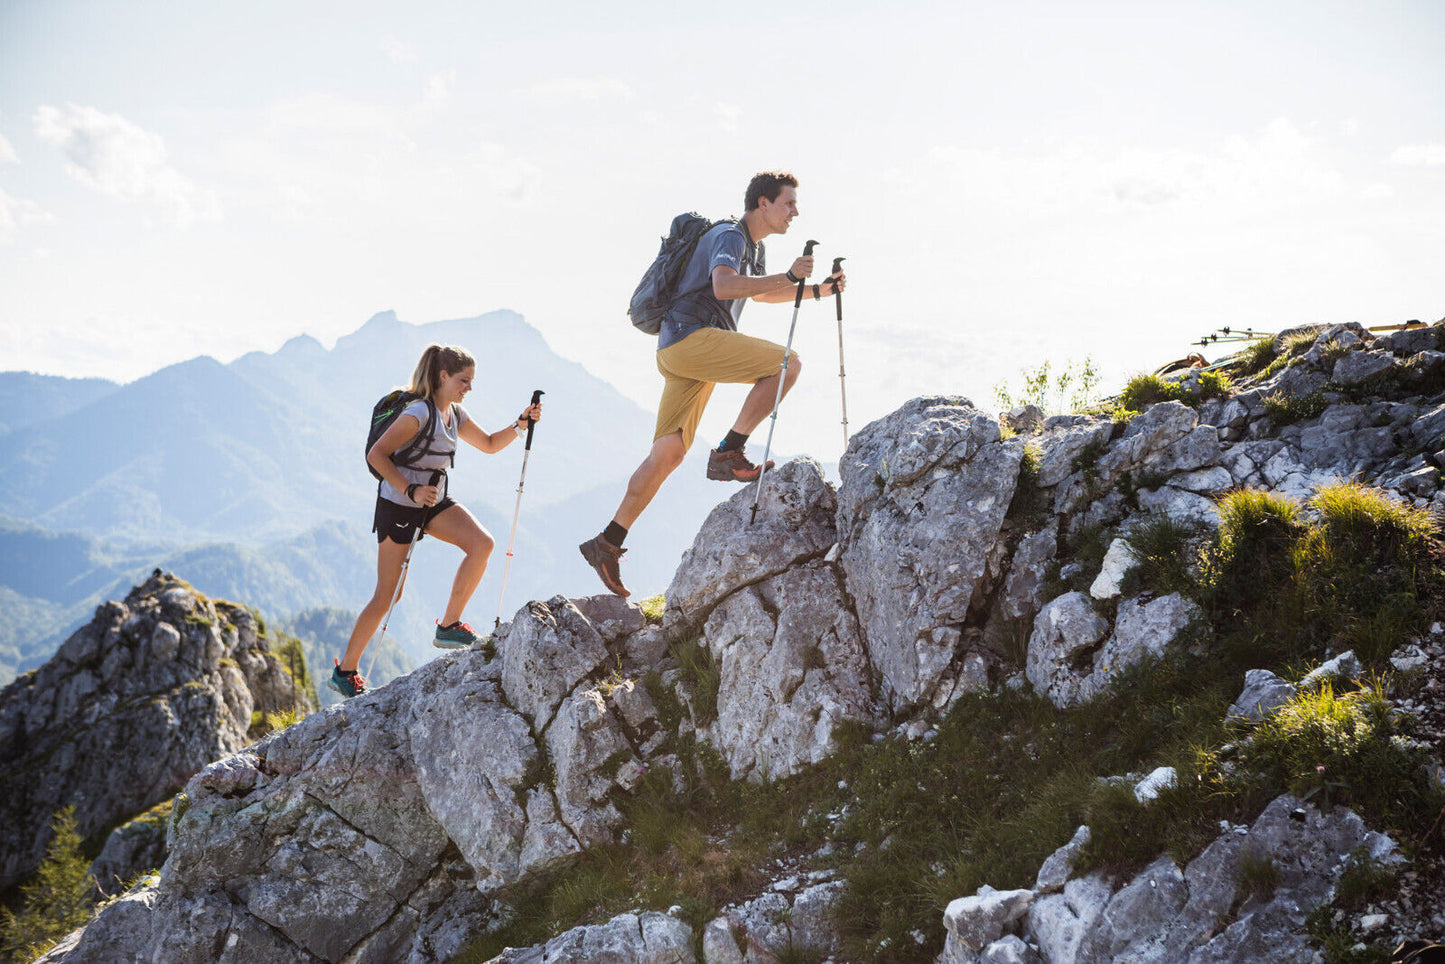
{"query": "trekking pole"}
[(406, 563), (842, 375), (526, 453), (782, 375)]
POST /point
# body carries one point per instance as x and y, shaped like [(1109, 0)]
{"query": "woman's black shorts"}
[(398, 522)]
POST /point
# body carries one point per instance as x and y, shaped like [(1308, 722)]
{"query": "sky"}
[(1011, 183)]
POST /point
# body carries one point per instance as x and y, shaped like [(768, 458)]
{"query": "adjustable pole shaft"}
[(778, 400), (517, 512), (842, 373)]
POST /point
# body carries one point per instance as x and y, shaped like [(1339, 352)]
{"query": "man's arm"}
[(826, 289), (728, 285)]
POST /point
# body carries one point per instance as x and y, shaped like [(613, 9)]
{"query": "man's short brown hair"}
[(767, 184)]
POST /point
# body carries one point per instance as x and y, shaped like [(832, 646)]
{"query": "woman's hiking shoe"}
[(347, 684), (603, 556), (732, 466), (456, 636)]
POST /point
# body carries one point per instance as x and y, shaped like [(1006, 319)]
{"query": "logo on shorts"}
[(401, 525)]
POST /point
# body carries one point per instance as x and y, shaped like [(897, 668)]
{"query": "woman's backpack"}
[(384, 413)]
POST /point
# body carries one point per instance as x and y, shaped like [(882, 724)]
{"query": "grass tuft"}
[(1257, 356), (1165, 549), (703, 677), (653, 607)]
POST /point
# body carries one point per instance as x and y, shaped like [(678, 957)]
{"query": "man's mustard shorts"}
[(692, 366)]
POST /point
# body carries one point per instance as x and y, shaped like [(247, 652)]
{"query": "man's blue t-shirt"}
[(722, 244)]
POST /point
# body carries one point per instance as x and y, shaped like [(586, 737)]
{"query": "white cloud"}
[(338, 125), (7, 152), (508, 175), (1278, 168), (438, 90), (728, 116), (120, 159), (1377, 192), (15, 213), (400, 52), (589, 90), (1419, 155)]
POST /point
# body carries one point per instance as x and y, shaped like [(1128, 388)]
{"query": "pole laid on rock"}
[(782, 376), (516, 513)]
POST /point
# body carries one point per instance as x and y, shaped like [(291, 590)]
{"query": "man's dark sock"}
[(735, 440), (614, 534), (346, 672)]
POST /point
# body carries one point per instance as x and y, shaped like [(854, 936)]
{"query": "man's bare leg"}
[(604, 551), (758, 404), (662, 461)]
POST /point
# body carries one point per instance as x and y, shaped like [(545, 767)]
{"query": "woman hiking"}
[(409, 497)]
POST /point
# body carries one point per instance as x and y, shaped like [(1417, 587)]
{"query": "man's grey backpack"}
[(658, 288)]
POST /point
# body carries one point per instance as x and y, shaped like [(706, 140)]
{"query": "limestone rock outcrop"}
[(920, 515), (166, 681), (391, 827), (1203, 911)]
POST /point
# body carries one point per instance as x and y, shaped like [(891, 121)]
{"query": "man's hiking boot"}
[(456, 636), (732, 466), (347, 684), (603, 556)]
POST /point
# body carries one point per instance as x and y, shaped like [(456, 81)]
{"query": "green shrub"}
[(1069, 390), (1215, 384), (53, 902), (1285, 409), (281, 719), (653, 607), (1342, 749), (1145, 390)]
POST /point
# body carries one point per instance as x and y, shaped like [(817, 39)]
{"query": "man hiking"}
[(699, 345)]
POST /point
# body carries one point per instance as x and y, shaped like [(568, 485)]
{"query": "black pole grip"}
[(838, 295), (798, 299), (531, 423)]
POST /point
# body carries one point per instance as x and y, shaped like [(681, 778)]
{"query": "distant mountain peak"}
[(387, 317), (303, 345)]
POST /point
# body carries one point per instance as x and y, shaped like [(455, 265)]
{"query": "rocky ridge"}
[(386, 828), (131, 707)]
